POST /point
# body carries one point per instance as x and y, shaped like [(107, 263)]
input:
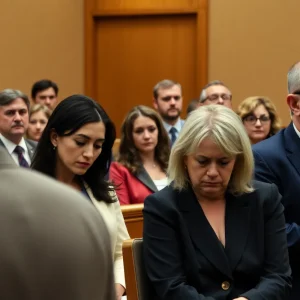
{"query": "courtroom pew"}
[(133, 216)]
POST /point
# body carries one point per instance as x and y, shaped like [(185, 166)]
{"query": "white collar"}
[(10, 146), (177, 125)]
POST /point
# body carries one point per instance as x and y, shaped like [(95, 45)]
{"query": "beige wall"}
[(252, 43), (41, 39)]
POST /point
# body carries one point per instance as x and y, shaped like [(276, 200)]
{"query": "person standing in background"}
[(167, 100)]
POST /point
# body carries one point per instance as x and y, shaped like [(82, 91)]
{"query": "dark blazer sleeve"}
[(163, 252), (275, 283), (265, 174)]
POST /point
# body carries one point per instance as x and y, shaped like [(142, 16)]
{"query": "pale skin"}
[(210, 170), (259, 130), (294, 105), (169, 104), (46, 97), (37, 124), (14, 120), (75, 154), (145, 137), (217, 90)]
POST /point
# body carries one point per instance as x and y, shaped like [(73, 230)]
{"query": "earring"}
[(54, 148)]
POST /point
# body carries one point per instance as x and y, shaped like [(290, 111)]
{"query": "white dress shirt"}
[(10, 146)]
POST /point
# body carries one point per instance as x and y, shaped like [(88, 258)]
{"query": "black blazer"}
[(185, 260)]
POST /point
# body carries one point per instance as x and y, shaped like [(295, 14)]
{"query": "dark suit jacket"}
[(31, 146), (131, 189), (185, 260), (277, 160)]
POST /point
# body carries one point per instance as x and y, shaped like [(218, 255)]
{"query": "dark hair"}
[(68, 117), (42, 85), (128, 154), (192, 106)]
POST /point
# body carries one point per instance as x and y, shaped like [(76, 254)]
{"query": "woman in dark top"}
[(214, 233)]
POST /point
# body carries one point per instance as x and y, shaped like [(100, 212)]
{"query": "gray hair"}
[(293, 78), (7, 96), (226, 129), (164, 84), (203, 95)]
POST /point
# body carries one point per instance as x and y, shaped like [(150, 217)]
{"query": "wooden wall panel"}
[(134, 53), (149, 4)]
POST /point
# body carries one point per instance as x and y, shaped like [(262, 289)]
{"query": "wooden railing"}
[(133, 216)]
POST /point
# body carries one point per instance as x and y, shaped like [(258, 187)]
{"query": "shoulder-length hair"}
[(128, 153), (68, 117), (40, 107), (225, 128), (248, 106)]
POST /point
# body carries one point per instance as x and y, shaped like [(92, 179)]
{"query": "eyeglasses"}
[(215, 97), (251, 119)]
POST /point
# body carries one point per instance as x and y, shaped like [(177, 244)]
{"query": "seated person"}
[(54, 244), (259, 117), (39, 115), (144, 151), (213, 233)]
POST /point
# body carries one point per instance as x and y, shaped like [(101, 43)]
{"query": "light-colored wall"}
[(252, 43), (41, 39)]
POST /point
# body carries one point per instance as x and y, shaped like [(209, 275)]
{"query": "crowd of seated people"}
[(195, 177)]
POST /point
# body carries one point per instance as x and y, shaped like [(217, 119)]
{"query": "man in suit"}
[(167, 100), (277, 160), (215, 92), (54, 244), (14, 107), (45, 92)]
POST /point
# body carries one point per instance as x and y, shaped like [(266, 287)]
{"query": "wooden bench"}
[(133, 216)]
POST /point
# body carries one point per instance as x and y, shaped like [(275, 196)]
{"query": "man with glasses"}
[(277, 160), (215, 92), (167, 100)]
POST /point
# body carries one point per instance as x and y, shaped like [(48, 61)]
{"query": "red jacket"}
[(131, 189)]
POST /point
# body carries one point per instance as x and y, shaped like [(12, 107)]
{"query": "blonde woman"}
[(259, 117), (39, 115), (214, 233)]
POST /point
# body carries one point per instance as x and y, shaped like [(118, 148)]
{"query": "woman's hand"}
[(120, 290)]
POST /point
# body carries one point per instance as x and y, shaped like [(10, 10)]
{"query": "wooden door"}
[(129, 51)]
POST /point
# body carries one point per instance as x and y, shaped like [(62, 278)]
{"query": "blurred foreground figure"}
[(54, 244)]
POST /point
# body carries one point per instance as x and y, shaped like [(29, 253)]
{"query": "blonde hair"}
[(225, 128), (40, 107), (248, 106)]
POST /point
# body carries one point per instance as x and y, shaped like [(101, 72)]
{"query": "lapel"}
[(30, 148), (144, 177), (208, 244), (292, 146), (6, 160), (237, 221)]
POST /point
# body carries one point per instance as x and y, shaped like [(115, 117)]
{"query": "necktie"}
[(22, 161), (172, 132)]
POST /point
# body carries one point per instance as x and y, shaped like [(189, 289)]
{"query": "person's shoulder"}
[(262, 186), (31, 142), (34, 186), (118, 166), (269, 143), (164, 199)]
